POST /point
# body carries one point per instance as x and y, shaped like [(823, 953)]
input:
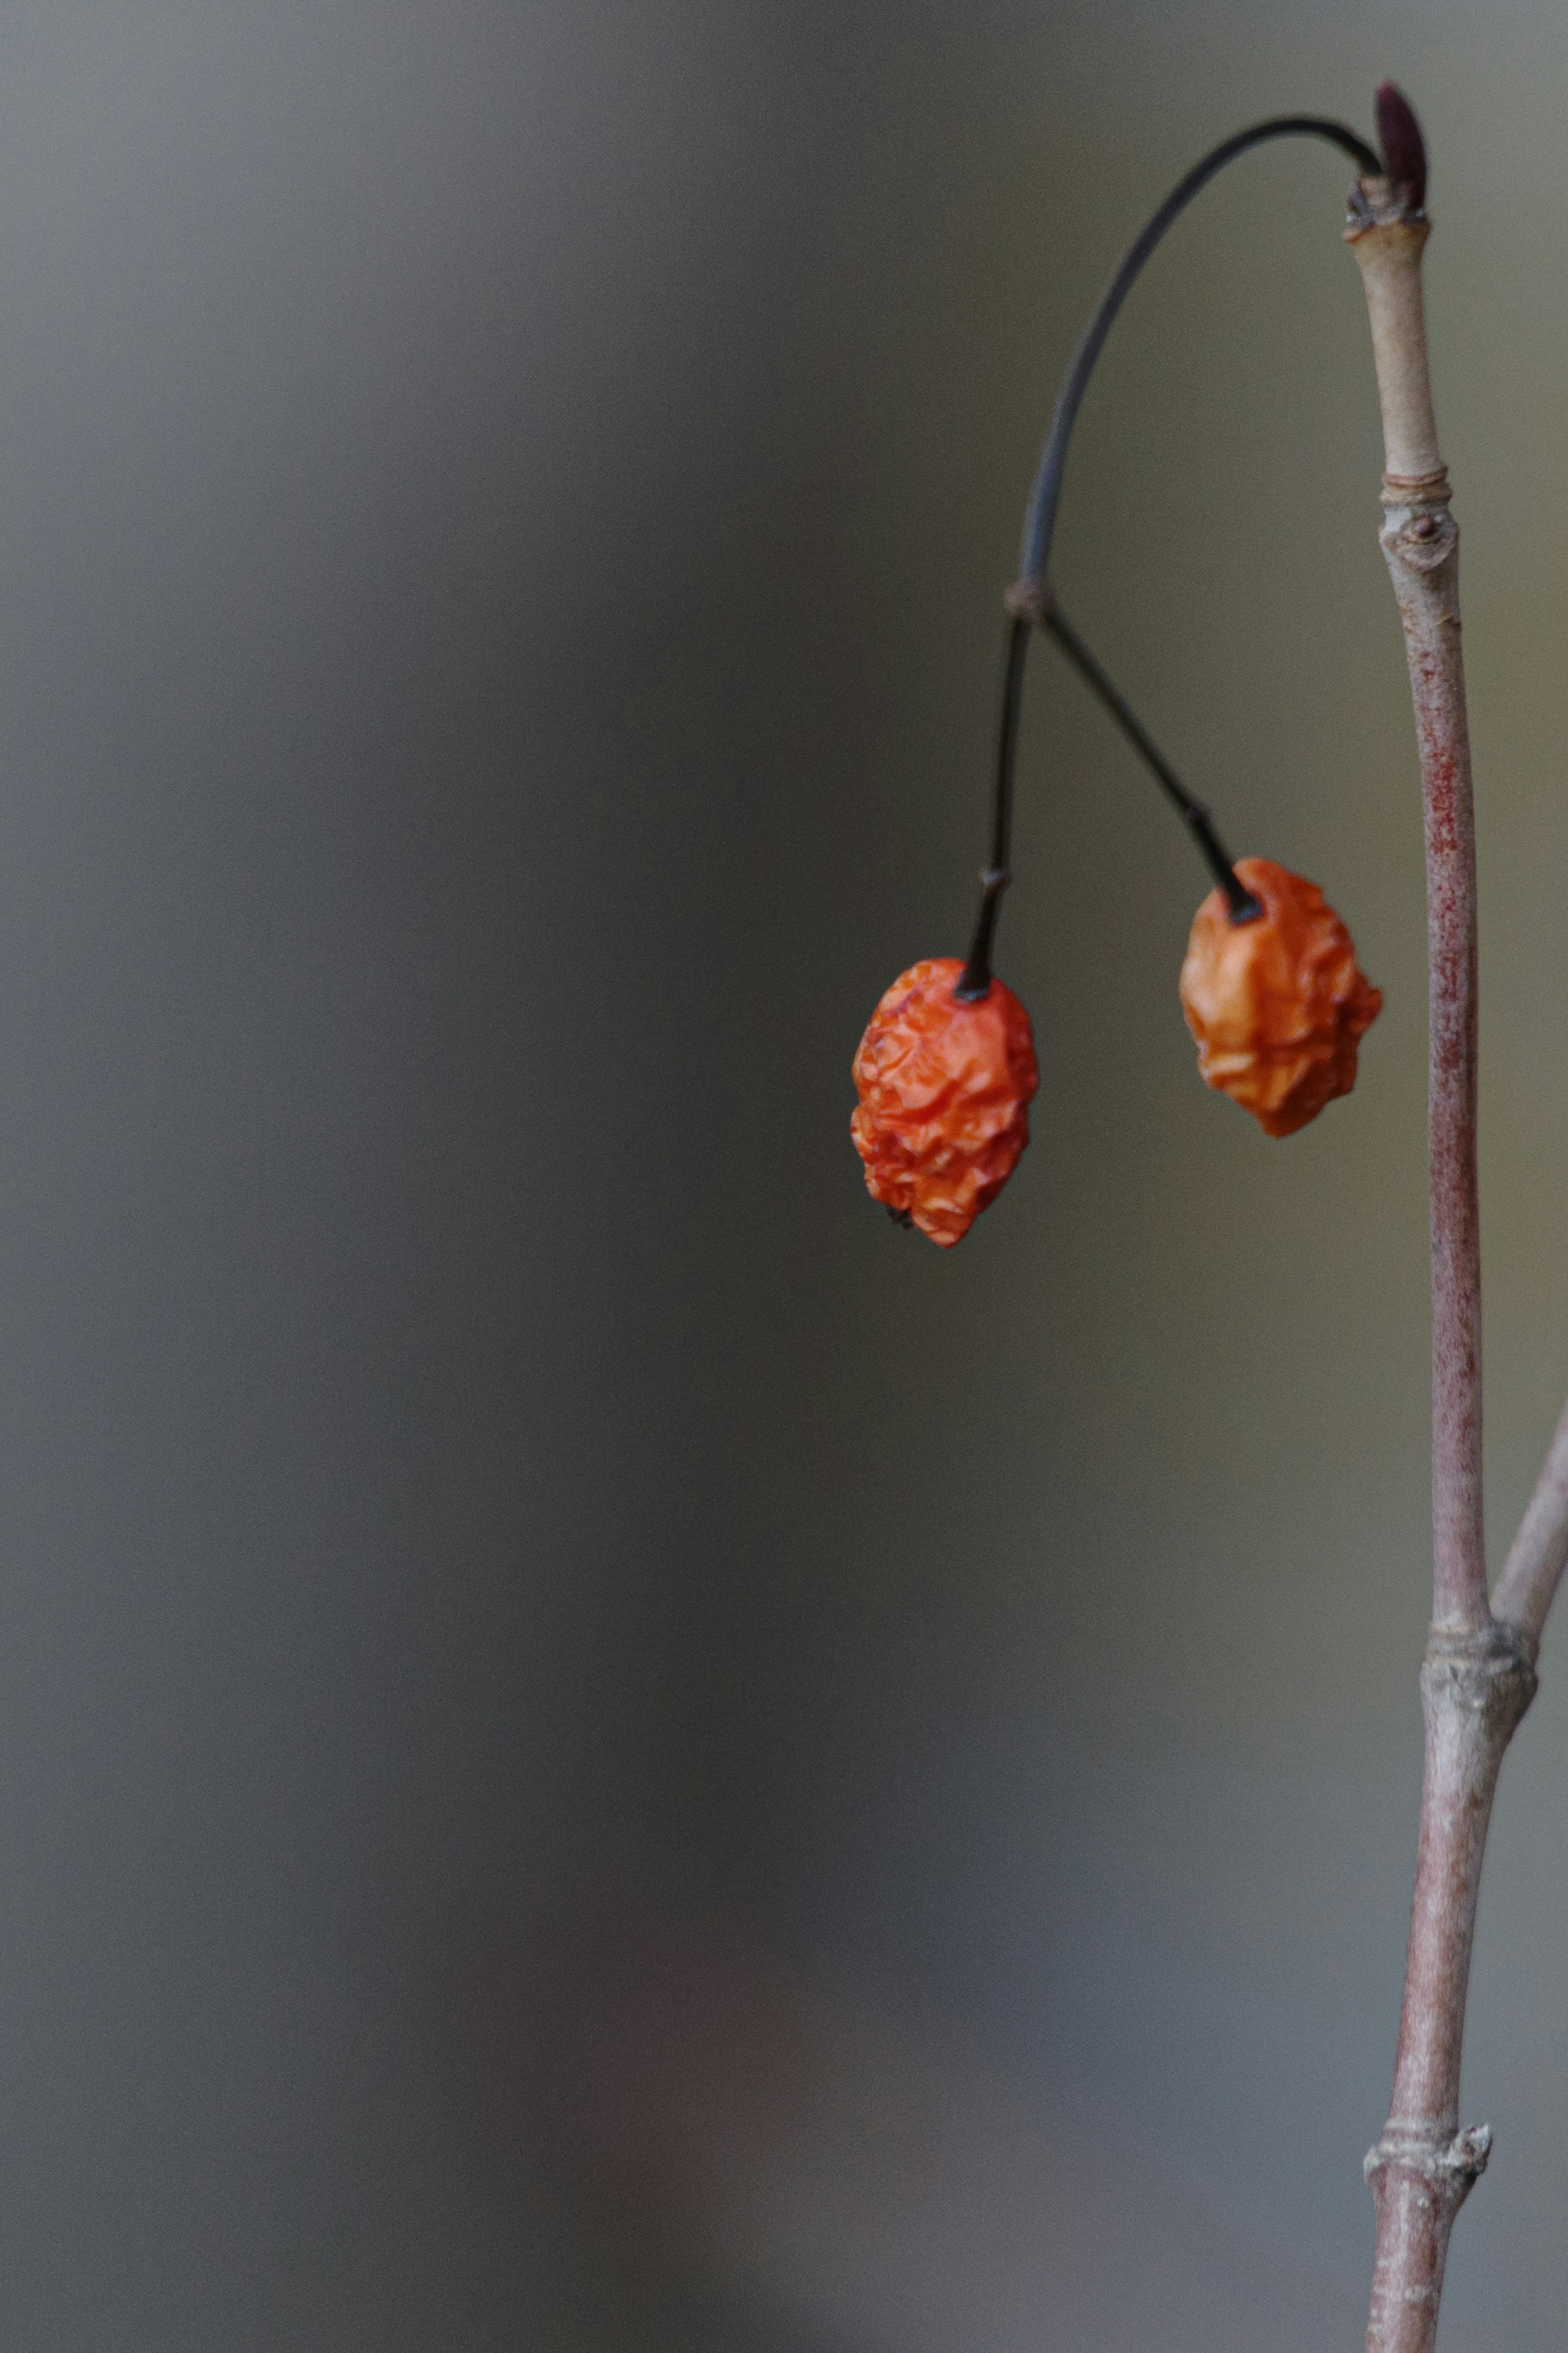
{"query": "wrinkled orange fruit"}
[(944, 1090), (1279, 1006)]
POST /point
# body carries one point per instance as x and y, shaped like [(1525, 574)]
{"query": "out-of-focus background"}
[(598, 1749)]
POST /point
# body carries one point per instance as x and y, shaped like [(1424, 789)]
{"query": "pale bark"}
[(1420, 542), (1479, 1676), (1475, 1686), (1535, 1566)]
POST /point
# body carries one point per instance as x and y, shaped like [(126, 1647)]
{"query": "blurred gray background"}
[(597, 1748)]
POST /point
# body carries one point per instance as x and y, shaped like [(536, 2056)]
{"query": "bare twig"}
[(1476, 1684), (1478, 1675), (1533, 1567), (1421, 543)]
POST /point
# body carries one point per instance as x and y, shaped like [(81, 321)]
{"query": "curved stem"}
[(1040, 526), (1031, 598)]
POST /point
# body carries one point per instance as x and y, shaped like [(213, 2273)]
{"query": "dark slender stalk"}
[(975, 977), (1031, 597), (1039, 527), (1244, 907)]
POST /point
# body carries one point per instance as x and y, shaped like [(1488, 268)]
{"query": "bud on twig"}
[(1404, 149)]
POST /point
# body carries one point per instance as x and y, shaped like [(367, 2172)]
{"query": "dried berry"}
[(1278, 1006), (944, 1087)]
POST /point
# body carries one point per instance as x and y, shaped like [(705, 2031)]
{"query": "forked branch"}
[(1535, 1566)]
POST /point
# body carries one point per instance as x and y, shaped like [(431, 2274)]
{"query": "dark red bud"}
[(1404, 149)]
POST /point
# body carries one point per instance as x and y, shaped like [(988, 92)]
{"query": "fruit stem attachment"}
[(974, 981), (1039, 528), (1027, 606), (1244, 908)]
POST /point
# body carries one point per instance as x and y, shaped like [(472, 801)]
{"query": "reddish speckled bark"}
[(1421, 543), (1475, 1687), (1479, 1672)]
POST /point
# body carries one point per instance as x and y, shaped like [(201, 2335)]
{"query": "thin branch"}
[(1476, 1686), (1420, 541), (1532, 1570), (1478, 1675), (1197, 815)]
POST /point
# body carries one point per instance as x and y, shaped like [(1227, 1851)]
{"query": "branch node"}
[(1422, 491), (1451, 2167), (1422, 537), (1028, 600), (1376, 202), (1488, 1671)]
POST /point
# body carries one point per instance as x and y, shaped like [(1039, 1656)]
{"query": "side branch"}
[(1535, 1566)]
